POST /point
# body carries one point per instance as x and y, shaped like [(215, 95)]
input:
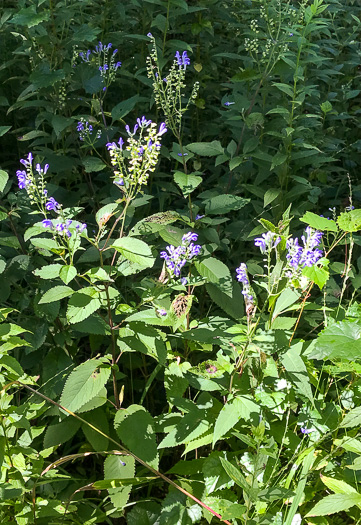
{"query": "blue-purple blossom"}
[(162, 312), (184, 281), (143, 122), (119, 182), (176, 257), (306, 430), (47, 223), (149, 35), (199, 217), (162, 129), (81, 227), (52, 204), (182, 154), (182, 60), (229, 103), (23, 180), (268, 241)]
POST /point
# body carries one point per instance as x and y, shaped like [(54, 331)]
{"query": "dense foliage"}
[(179, 262)]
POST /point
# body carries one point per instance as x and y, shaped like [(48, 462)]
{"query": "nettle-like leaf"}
[(187, 182), (206, 149), (335, 503), (139, 337), (341, 340), (135, 428), (215, 271), (240, 407), (119, 467), (82, 304), (350, 221), (221, 204), (319, 223), (84, 383)]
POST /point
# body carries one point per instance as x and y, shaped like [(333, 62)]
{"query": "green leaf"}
[(27, 16), (350, 221), (319, 223), (278, 159), (144, 339), (352, 419), (341, 340), (4, 177), (235, 474), (241, 407), (224, 203), (285, 88), (135, 251), (94, 324), (55, 294), (51, 271), (270, 196), (338, 486), (3, 131), (61, 432), (187, 182), (123, 108), (232, 304), (135, 427), (82, 304), (98, 418), (93, 164), (84, 383), (46, 244), (287, 298), (119, 467), (60, 123), (43, 77), (215, 271), (67, 274), (206, 149), (334, 503), (104, 214), (297, 371), (316, 274)]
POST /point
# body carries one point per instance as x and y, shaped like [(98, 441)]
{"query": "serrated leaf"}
[(119, 467), (135, 428), (287, 298), (278, 159), (135, 251), (98, 418), (334, 503), (224, 203), (352, 419), (51, 271), (93, 164), (67, 273), (350, 221), (341, 340), (123, 108), (187, 182), (319, 223), (241, 407), (232, 304), (55, 294), (316, 274), (82, 304), (338, 486), (297, 371), (84, 383), (206, 149), (235, 474)]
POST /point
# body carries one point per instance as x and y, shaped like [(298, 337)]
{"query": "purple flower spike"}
[(143, 122), (23, 180), (188, 237), (52, 204), (149, 35)]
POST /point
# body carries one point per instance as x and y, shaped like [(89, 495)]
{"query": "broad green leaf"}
[(352, 419), (51, 271), (241, 407), (234, 511), (316, 274), (297, 371), (341, 340), (155, 222), (43, 77), (135, 251), (338, 486), (105, 213), (98, 418), (278, 159), (55, 294), (123, 108), (319, 223), (119, 467), (215, 478), (286, 88), (135, 428), (4, 177), (82, 304), (47, 244), (61, 432), (224, 203), (145, 339), (27, 16), (187, 182), (191, 426), (93, 164), (287, 298), (84, 383), (99, 400), (60, 123), (206, 149), (3, 131), (334, 503), (67, 274), (270, 196), (350, 221), (232, 304), (94, 324), (215, 271)]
